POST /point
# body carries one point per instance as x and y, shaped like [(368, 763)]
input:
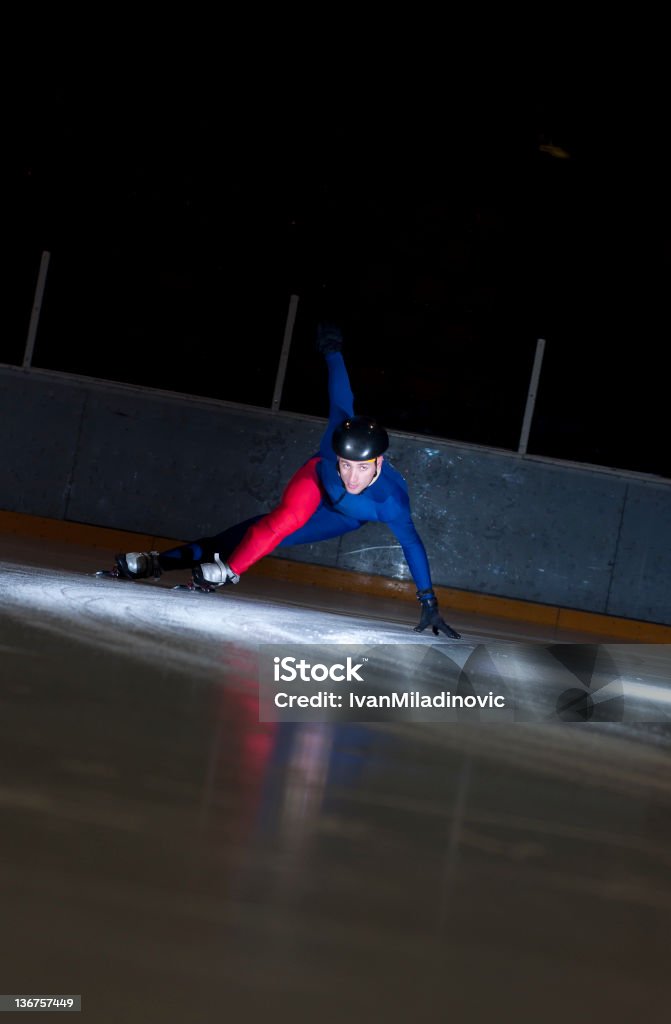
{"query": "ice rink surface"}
[(173, 859)]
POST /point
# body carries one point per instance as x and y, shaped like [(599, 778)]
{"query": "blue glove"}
[(431, 616), (329, 339)]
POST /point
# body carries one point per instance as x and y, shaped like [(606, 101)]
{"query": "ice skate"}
[(134, 565), (210, 576)]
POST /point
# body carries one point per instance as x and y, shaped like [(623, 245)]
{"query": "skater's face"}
[(358, 475)]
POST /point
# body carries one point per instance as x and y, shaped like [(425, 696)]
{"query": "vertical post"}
[(284, 354), (37, 306), (531, 396)]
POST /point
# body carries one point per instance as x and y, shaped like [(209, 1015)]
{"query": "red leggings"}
[(299, 501)]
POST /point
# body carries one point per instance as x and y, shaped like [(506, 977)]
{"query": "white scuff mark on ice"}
[(375, 547)]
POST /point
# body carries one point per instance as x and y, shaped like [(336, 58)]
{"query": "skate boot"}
[(209, 576), (138, 565)]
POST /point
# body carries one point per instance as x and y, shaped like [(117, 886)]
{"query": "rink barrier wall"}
[(495, 523), (561, 619)]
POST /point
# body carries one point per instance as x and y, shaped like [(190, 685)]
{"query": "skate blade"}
[(193, 590), (110, 574)]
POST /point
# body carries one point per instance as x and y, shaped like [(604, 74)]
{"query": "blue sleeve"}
[(405, 532), (341, 401)]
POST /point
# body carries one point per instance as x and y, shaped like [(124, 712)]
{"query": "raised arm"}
[(341, 400)]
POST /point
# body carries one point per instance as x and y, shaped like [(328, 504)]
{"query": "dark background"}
[(444, 237)]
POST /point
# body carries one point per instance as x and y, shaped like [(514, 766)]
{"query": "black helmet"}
[(360, 438)]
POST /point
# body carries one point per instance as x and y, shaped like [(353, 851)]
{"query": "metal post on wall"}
[(37, 306), (284, 354), (531, 396)]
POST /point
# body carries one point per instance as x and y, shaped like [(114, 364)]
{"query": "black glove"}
[(431, 616), (329, 339)]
